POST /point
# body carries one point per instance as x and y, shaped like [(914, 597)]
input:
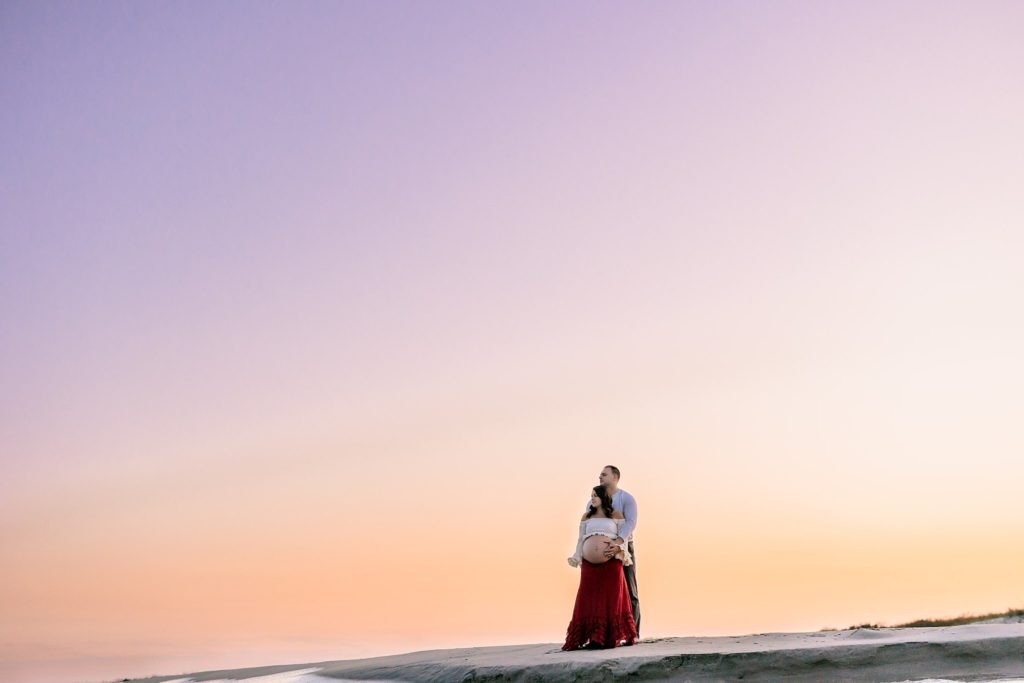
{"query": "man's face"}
[(606, 477)]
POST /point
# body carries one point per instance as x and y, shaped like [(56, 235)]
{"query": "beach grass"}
[(952, 621)]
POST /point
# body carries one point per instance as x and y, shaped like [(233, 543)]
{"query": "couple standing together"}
[(607, 609)]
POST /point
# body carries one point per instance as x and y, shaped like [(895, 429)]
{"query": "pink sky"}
[(318, 320)]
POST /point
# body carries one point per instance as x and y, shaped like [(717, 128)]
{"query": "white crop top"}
[(600, 526)]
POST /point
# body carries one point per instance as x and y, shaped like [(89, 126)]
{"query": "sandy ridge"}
[(967, 651)]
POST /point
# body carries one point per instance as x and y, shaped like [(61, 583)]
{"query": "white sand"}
[(967, 652)]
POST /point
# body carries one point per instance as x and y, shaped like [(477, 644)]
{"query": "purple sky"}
[(779, 239)]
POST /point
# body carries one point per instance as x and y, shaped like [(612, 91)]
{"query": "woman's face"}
[(595, 499)]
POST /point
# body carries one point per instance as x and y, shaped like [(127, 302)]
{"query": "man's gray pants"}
[(634, 599)]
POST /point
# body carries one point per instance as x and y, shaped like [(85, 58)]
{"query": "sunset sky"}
[(318, 320)]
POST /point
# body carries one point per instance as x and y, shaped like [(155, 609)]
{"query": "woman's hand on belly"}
[(594, 549)]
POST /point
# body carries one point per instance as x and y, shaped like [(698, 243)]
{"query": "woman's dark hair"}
[(606, 502)]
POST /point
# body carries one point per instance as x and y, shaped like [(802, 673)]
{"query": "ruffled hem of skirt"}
[(599, 633)]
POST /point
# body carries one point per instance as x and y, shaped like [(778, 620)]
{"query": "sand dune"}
[(972, 651)]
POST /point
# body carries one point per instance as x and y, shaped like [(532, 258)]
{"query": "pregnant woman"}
[(602, 616)]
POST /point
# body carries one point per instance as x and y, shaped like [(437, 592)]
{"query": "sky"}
[(318, 321)]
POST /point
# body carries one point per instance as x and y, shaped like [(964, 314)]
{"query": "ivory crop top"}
[(600, 526)]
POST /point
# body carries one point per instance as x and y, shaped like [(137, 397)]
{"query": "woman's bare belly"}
[(594, 547)]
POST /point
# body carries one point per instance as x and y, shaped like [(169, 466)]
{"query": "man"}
[(623, 502)]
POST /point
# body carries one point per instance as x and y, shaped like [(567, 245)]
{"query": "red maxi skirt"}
[(602, 616)]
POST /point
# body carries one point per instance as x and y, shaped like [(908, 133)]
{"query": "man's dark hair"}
[(614, 469)]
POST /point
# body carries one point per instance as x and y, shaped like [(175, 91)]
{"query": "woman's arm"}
[(574, 561)]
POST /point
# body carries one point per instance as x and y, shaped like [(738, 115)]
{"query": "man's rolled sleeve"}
[(629, 512)]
